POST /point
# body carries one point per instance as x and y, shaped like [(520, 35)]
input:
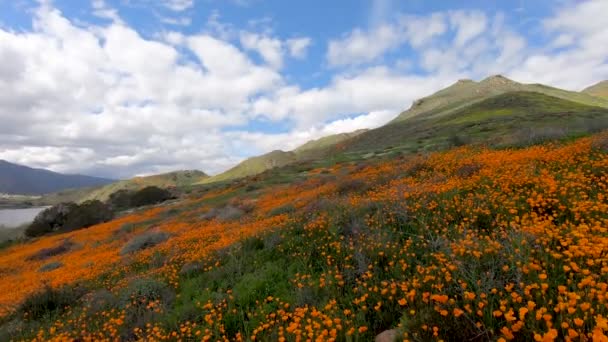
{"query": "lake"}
[(10, 218)]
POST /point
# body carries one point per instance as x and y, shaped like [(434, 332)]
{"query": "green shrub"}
[(51, 266), (48, 301), (87, 214), (285, 209), (351, 185), (46, 253), (150, 195), (143, 241), (120, 200), (50, 220), (68, 217), (145, 290), (125, 199), (136, 298)]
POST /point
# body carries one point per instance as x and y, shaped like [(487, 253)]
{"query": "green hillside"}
[(511, 118), (254, 165), (328, 141), (165, 180), (496, 110), (600, 90), (465, 92), (312, 150)]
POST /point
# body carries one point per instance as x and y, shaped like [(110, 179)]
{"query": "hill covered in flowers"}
[(469, 244)]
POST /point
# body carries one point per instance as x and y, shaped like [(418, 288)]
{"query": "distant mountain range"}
[(19, 179), (496, 111)]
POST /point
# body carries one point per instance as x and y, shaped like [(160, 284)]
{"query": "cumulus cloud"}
[(107, 100), (363, 46), (178, 5), (298, 47)]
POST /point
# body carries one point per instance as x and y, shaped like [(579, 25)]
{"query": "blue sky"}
[(127, 87)]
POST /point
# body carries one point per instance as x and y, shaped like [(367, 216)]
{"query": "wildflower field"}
[(470, 244)]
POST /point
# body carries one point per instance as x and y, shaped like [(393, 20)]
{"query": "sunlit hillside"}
[(468, 244)]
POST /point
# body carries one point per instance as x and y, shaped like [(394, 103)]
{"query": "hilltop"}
[(23, 180), (165, 180), (466, 92), (312, 150), (508, 119), (600, 89), (495, 110)]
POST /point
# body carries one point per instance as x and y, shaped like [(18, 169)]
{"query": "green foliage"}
[(285, 209), (51, 266), (49, 301), (125, 199), (143, 241), (66, 217)]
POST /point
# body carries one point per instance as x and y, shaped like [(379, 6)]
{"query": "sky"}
[(119, 88)]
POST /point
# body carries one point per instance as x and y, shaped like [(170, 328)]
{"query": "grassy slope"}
[(327, 141), (474, 245), (599, 90), (165, 180), (312, 150), (508, 119), (465, 92), (424, 127), (254, 166)]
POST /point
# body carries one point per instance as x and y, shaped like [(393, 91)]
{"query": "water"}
[(10, 218)]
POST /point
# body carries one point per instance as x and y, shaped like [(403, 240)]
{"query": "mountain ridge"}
[(464, 92), (599, 89), (25, 180), (162, 180)]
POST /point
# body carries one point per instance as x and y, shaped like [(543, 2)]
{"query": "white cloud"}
[(271, 49), (375, 89), (181, 21), (468, 24), (178, 5), (579, 33), (74, 99), (298, 47), (360, 46), (101, 10)]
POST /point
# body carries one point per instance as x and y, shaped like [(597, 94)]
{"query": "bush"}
[(48, 301), (120, 200), (352, 185), (87, 214), (68, 217), (284, 209), (136, 298), (51, 266), (50, 220), (125, 199), (46, 253), (145, 290), (143, 241), (226, 213), (150, 195)]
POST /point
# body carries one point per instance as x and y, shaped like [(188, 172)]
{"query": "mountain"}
[(496, 111), (311, 150), (465, 92), (327, 141), (600, 89), (19, 179), (165, 180), (511, 118)]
